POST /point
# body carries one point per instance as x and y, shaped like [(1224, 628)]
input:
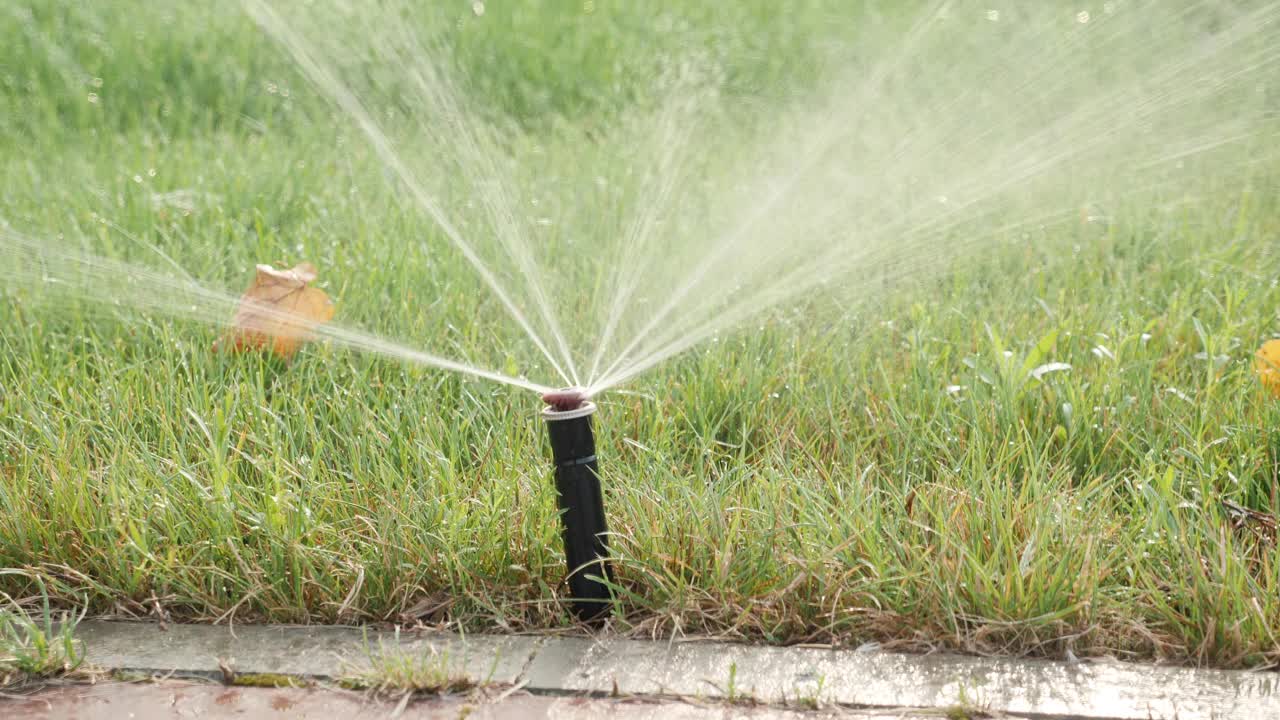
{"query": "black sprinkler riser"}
[(583, 525)]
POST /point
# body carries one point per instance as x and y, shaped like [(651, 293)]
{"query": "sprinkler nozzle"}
[(564, 399), (581, 501)]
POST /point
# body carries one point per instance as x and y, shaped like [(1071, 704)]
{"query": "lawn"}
[(857, 467)]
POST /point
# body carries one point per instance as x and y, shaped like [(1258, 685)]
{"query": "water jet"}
[(583, 526)]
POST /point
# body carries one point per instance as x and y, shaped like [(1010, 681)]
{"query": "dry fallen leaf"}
[(278, 311), (1267, 364)]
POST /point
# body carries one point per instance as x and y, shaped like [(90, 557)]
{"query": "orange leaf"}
[(278, 311), (1267, 364)]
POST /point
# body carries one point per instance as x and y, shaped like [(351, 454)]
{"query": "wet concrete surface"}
[(190, 701), (776, 676), (880, 679), (315, 651)]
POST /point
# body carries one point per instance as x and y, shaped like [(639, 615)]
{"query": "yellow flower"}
[(1267, 365)]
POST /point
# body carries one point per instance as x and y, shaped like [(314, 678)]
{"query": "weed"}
[(36, 648), (394, 671)]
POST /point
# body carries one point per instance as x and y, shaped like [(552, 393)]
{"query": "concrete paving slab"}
[(880, 679), (312, 651), (184, 700), (777, 676)]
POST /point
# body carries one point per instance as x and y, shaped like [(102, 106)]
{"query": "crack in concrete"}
[(522, 675)]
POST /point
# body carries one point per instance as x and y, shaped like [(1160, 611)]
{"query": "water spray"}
[(573, 449)]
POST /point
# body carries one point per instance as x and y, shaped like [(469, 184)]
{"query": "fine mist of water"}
[(973, 127), (964, 129), (66, 273), (421, 86), (981, 126)]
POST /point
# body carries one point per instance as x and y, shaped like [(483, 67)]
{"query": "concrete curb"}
[(711, 670)]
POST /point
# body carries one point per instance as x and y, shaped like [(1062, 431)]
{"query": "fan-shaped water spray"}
[(971, 127)]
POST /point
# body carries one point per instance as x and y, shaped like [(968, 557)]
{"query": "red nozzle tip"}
[(565, 399)]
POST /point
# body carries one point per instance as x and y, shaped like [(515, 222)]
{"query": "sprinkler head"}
[(581, 499), (565, 399)]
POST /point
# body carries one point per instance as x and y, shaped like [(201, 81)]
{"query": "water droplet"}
[(993, 15), (477, 7), (1082, 17), (96, 82), (93, 97)]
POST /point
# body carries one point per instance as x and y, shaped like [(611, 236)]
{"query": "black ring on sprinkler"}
[(586, 549)]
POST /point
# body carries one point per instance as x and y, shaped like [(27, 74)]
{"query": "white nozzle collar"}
[(550, 414)]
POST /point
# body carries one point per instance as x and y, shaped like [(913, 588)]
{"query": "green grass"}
[(816, 477), (36, 646), (393, 671)]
